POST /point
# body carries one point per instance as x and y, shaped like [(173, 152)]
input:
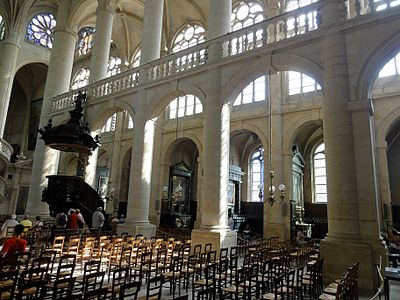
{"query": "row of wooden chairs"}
[(345, 287)]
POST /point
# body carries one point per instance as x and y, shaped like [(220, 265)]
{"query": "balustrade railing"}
[(273, 30), (5, 149), (354, 8)]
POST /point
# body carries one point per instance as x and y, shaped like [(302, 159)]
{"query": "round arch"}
[(97, 118), (278, 62), (388, 122), (169, 92), (251, 128), (374, 63), (171, 145)]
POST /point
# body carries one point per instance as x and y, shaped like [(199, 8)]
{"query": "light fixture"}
[(272, 197)]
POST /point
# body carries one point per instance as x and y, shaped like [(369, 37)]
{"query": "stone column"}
[(137, 219), (101, 41), (383, 180), (45, 160), (143, 131), (9, 53), (115, 172), (152, 28), (216, 138), (351, 202)]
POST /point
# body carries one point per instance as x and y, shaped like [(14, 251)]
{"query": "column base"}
[(218, 237), (338, 255), (148, 230), (273, 230)]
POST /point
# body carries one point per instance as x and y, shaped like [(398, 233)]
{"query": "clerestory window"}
[(183, 106), (85, 40), (319, 174), (255, 91), (256, 173), (299, 83), (40, 30)]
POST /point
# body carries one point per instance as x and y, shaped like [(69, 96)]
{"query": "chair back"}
[(154, 287), (129, 290)]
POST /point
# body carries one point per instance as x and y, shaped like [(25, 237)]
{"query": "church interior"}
[(265, 131)]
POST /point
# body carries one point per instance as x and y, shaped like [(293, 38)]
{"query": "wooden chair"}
[(129, 290), (62, 288), (8, 283), (93, 282), (89, 268), (98, 294), (58, 244), (277, 290), (32, 289), (119, 278), (154, 288)]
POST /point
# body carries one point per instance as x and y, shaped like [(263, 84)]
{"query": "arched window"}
[(299, 83), (136, 57), (245, 14), (189, 36), (184, 106), (109, 125), (114, 66), (256, 173), (40, 30), (295, 4), (81, 79), (319, 174), (85, 40), (2, 27), (382, 4), (255, 91), (391, 68), (130, 121)]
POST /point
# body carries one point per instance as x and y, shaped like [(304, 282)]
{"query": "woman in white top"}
[(11, 222)]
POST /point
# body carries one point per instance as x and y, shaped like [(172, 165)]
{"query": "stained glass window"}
[(319, 172), (257, 173), (114, 66), (184, 106), (246, 14), (299, 83), (255, 91), (40, 30), (85, 40), (189, 36), (136, 58), (2, 27), (391, 68), (81, 79)]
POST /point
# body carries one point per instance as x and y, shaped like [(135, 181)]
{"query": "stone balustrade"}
[(283, 27), (354, 8), (5, 149)]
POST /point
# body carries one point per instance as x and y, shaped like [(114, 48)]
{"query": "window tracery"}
[(114, 66), (2, 27), (40, 30), (255, 91), (81, 79), (85, 40), (319, 174), (299, 83), (391, 68), (257, 173), (189, 36), (183, 106), (136, 58), (246, 13), (109, 125)]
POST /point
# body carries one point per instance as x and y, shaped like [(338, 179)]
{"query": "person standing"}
[(98, 219), (61, 220), (16, 244), (10, 222), (81, 220), (72, 222)]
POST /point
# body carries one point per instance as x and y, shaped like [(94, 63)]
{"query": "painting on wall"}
[(34, 120), (231, 193)]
